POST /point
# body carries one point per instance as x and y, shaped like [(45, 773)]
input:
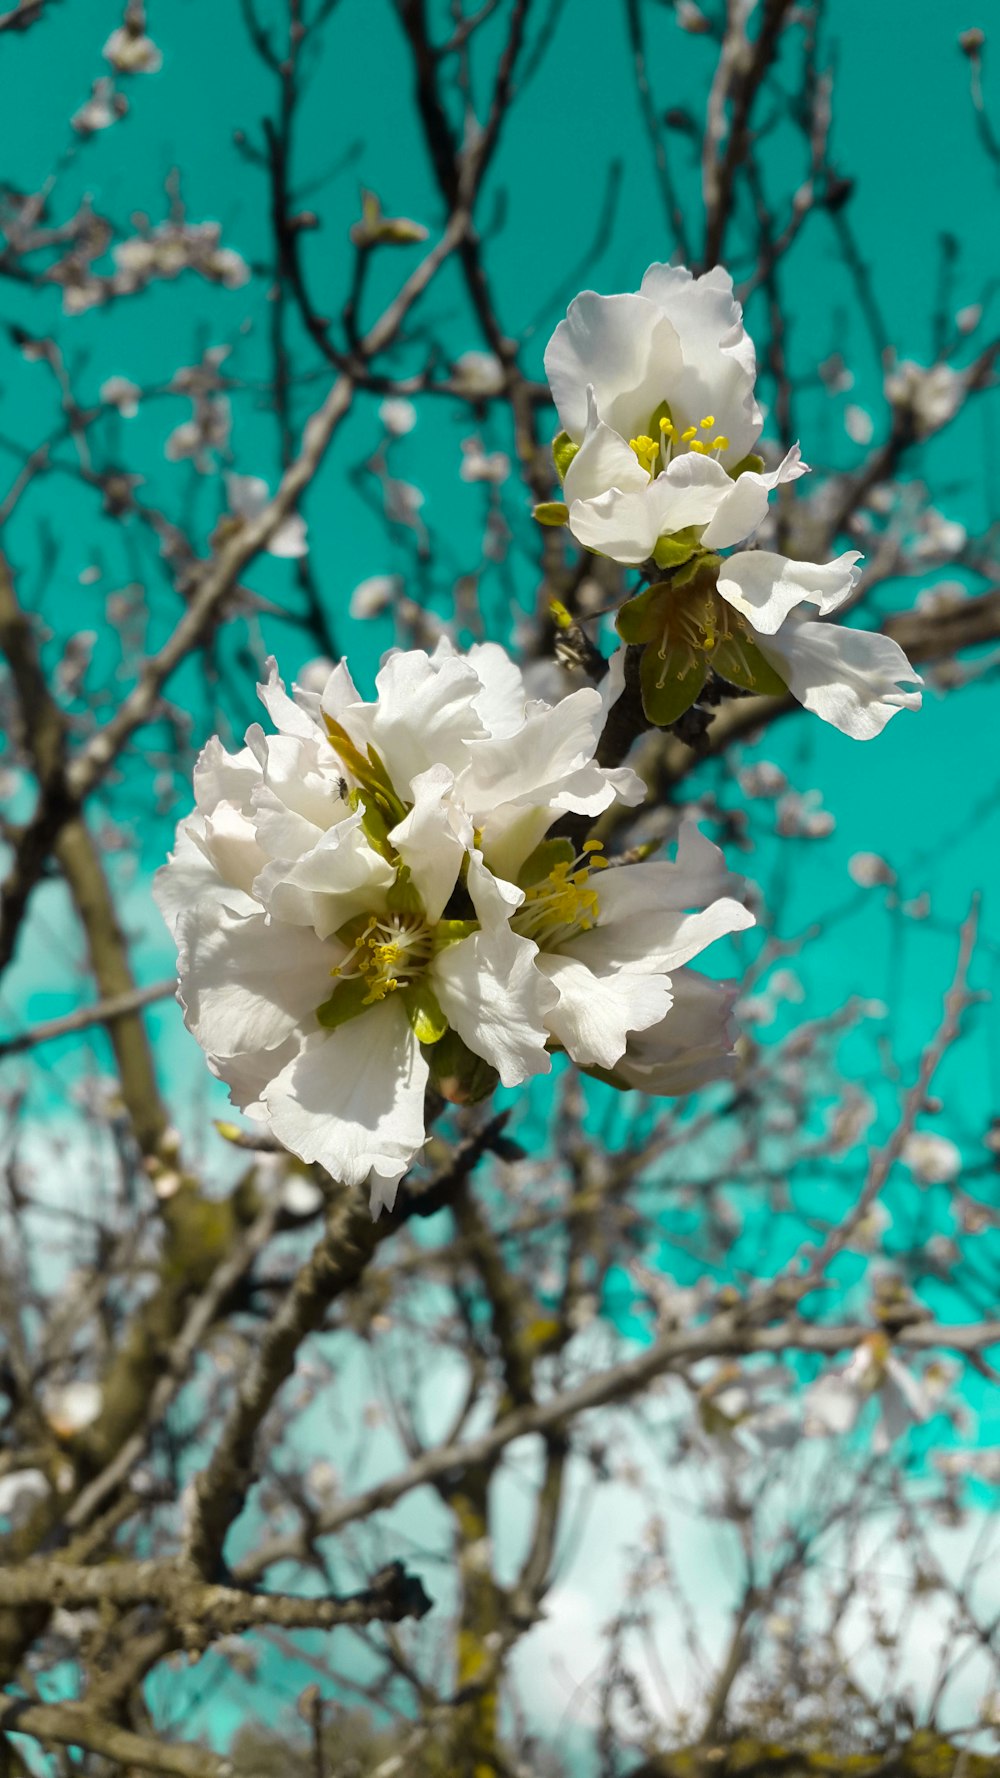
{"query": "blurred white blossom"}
[(398, 416), (248, 496), (932, 1159)]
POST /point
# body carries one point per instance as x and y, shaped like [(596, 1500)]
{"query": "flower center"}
[(564, 902), (390, 950), (654, 453)]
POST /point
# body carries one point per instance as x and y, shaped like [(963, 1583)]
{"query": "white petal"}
[(626, 526), (764, 587), (224, 777), (622, 348), (433, 839), (691, 1046), (341, 877), (553, 742), (248, 1076), (595, 1013), (849, 678), (189, 880), (246, 983), (660, 941), (424, 715), (832, 1405), (489, 989), (354, 1099), (603, 461), (500, 701), (286, 715), (247, 495), (305, 777), (289, 540), (230, 840), (340, 692), (744, 507)]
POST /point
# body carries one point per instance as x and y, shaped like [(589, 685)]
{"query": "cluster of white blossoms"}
[(371, 901), (655, 394)]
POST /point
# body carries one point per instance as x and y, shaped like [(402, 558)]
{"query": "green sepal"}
[(670, 552), (543, 860), (678, 547), (401, 897), (450, 932), (642, 619), (563, 452), (345, 749), (742, 663), (374, 822), (682, 673), (373, 781), (750, 461), (383, 786), (423, 1010), (349, 998), (458, 1074), (551, 512), (352, 930)]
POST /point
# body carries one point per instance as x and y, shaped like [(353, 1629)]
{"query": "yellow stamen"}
[(688, 435), (707, 423), (719, 444)]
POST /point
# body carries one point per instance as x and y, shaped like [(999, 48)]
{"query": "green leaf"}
[(551, 512), (424, 1012), (671, 677), (740, 661), (346, 1002), (563, 452), (543, 859)]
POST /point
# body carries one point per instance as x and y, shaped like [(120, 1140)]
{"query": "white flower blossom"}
[(130, 51), (119, 392), (342, 898), (398, 416), (858, 424), (373, 596), (835, 1402), (655, 394), (477, 374), (870, 871), (71, 1407), (104, 108), (610, 941), (479, 465), (932, 1159), (248, 495), (19, 1490), (929, 396)]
